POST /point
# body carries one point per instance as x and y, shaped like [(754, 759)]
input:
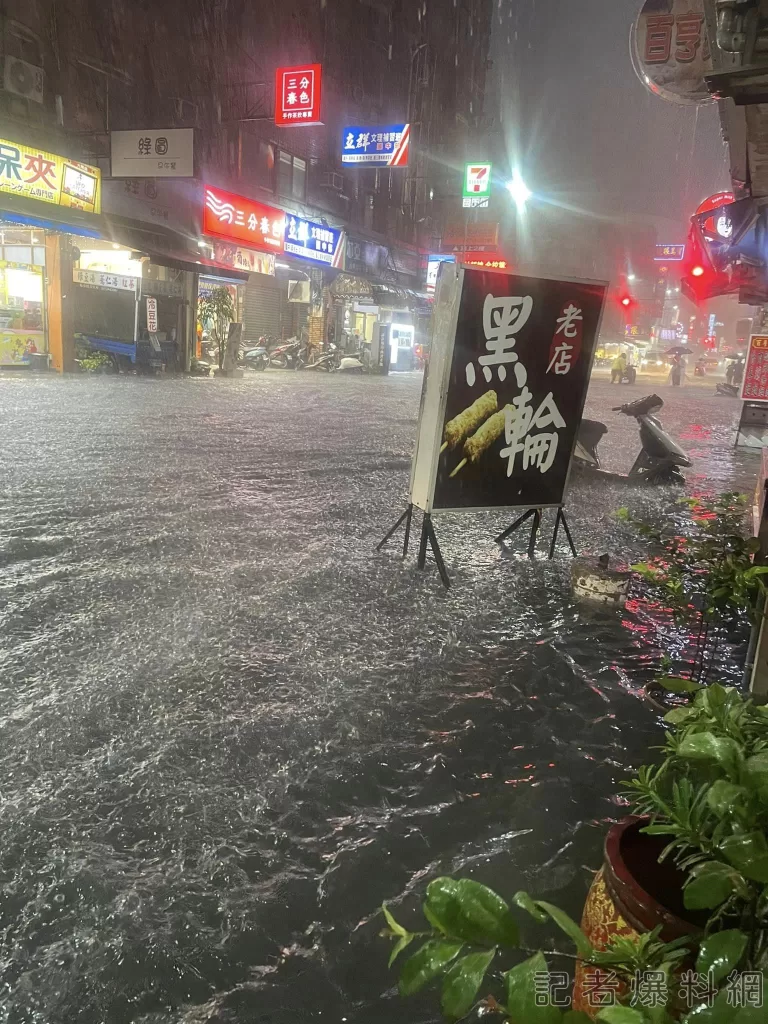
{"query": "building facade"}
[(353, 239)]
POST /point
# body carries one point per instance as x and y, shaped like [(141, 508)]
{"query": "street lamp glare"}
[(519, 190)]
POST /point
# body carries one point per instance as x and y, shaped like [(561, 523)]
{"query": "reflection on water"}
[(229, 730)]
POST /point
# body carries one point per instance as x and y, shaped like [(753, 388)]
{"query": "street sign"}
[(151, 314), (297, 95), (167, 153), (755, 385), (315, 242), (509, 371), (239, 219), (382, 146), (718, 199), (670, 50), (669, 253), (477, 186)]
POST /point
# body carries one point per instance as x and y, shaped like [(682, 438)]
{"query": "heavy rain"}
[(232, 723)]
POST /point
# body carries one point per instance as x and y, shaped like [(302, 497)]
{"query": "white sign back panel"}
[(165, 153)]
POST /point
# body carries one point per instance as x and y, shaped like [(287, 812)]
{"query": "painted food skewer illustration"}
[(466, 423), (483, 438)]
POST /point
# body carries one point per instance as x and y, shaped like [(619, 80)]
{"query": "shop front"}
[(48, 203)]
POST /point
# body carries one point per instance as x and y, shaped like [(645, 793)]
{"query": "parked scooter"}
[(727, 390), (325, 361), (256, 358), (286, 356), (660, 458), (351, 363)]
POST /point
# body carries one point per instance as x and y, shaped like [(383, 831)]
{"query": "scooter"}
[(727, 390), (325, 362), (660, 458), (286, 356), (350, 363), (256, 358)]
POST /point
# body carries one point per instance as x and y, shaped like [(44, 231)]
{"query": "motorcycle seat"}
[(591, 431)]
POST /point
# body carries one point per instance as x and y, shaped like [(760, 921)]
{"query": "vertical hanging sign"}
[(297, 95), (151, 315)]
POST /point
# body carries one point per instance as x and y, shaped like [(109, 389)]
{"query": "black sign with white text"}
[(518, 379)]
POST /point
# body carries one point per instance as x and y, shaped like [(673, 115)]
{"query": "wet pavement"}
[(229, 729)]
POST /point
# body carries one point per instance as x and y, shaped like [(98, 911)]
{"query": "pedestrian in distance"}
[(738, 373), (676, 373), (618, 368)]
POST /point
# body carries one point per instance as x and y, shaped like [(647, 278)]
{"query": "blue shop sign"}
[(382, 146), (315, 242)]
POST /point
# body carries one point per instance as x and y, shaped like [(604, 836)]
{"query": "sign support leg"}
[(404, 518), (517, 523), (436, 551), (558, 520), (535, 526), (425, 525)]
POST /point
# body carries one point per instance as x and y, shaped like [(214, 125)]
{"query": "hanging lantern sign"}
[(670, 50)]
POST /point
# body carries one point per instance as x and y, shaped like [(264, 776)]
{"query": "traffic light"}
[(626, 301), (697, 270)]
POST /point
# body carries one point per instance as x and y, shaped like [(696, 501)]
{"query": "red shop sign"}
[(297, 95), (755, 386), (238, 219)]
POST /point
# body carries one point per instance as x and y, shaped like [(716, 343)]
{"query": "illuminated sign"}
[(433, 266), (496, 264), (31, 173), (376, 147), (297, 95), (238, 219), (669, 252), (312, 241), (477, 186)]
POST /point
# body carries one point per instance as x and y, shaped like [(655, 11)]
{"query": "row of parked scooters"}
[(293, 354)]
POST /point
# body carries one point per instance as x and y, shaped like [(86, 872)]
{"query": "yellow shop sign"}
[(34, 174)]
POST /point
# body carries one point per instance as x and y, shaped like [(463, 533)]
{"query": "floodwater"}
[(229, 729)]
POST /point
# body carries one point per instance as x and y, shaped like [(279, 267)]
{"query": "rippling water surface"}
[(229, 729)]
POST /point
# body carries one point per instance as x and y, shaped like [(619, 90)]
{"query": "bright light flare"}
[(697, 272), (519, 190)]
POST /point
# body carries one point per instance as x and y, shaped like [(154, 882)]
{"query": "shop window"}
[(291, 176)]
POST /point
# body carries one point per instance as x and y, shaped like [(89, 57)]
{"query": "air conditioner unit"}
[(333, 181), (23, 79)]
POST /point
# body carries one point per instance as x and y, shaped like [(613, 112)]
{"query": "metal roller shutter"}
[(262, 308)]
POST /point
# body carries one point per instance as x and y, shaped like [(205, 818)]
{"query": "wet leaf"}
[(465, 909), (749, 853), (576, 1017), (677, 684), (520, 984), (397, 929), (703, 746), (679, 715), (713, 883), (620, 1015), (522, 900), (462, 983), (569, 926), (756, 769), (426, 964), (723, 796), (720, 953)]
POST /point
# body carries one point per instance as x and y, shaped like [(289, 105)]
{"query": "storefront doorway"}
[(23, 328)]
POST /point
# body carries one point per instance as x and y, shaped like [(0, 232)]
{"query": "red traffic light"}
[(697, 271), (626, 301)]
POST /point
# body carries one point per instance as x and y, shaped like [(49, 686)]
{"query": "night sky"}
[(583, 127)]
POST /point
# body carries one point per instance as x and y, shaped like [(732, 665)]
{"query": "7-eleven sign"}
[(477, 185)]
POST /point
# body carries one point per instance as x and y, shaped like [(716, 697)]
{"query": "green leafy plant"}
[(709, 796), (217, 309)]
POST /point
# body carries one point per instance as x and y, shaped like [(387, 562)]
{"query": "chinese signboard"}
[(152, 315), (102, 279), (315, 242), (488, 264), (509, 372), (755, 386), (667, 253), (365, 257), (376, 147), (477, 186), (31, 173), (670, 50), (235, 218), (637, 332), (297, 95), (247, 260), (481, 236), (168, 153)]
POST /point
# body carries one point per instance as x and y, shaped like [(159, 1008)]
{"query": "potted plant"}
[(680, 905), (217, 309)]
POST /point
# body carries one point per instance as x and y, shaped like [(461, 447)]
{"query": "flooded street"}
[(229, 729)]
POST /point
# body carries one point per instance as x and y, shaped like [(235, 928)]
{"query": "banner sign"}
[(668, 253), (31, 173), (508, 376), (168, 153), (670, 50), (376, 147), (237, 219), (755, 385), (488, 264), (433, 266), (102, 279), (297, 95), (315, 242), (152, 314), (247, 260), (477, 186)]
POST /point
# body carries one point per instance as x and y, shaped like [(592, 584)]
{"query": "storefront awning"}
[(50, 217)]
